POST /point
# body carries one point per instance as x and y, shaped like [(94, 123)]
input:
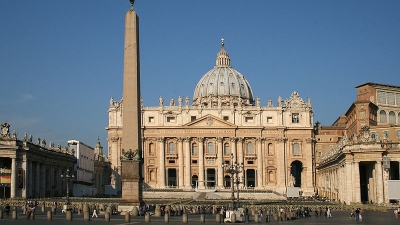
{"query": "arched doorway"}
[(195, 178), (227, 181), (295, 171), (210, 178)]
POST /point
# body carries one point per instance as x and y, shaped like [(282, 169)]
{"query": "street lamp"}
[(233, 169), (67, 178)]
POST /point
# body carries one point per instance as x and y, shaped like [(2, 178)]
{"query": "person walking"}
[(358, 214), (94, 212)]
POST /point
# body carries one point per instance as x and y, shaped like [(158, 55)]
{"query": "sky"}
[(62, 61)]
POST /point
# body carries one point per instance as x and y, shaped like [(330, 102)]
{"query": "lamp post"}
[(67, 178), (233, 169)]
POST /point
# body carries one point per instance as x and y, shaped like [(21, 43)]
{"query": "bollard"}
[(1, 214), (135, 211), (147, 217), (202, 218), (43, 208), (166, 217), (275, 217), (107, 216), (109, 210), (32, 215), (14, 214), (127, 217), (68, 215), (233, 218), (185, 218), (218, 218), (256, 218), (49, 215), (86, 215), (157, 211)]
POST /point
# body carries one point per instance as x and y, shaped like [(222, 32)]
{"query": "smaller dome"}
[(223, 85)]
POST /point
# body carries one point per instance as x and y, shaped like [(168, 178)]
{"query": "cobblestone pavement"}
[(339, 217)]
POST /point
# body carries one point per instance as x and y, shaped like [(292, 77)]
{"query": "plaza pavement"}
[(339, 217)]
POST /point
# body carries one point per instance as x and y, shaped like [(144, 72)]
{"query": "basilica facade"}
[(186, 141)]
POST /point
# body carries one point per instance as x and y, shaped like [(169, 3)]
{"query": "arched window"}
[(194, 149), (296, 149), (171, 147), (382, 115), (250, 149), (392, 117), (226, 149), (210, 148)]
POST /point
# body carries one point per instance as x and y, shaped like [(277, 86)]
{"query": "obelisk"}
[(131, 162)]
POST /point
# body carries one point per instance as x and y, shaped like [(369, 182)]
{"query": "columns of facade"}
[(234, 151), (220, 161), (52, 186), (281, 164), (187, 164), (241, 160), (385, 179), (43, 181), (180, 161), (29, 185), (13, 187), (24, 170), (260, 157), (379, 182), (356, 182), (38, 179), (161, 178), (201, 163)]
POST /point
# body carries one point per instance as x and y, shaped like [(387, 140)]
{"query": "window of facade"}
[(194, 161), (192, 118), (269, 119), (382, 115), (385, 134), (194, 149), (226, 118), (270, 149), (330, 139), (319, 154), (397, 133), (226, 149), (392, 117), (151, 149), (295, 118), (373, 135), (171, 147), (171, 161), (250, 149), (397, 99), (250, 162), (390, 98), (210, 148), (249, 119), (381, 97), (170, 119), (296, 149), (151, 119)]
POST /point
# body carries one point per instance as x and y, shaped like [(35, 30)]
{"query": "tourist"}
[(358, 214), (8, 208), (329, 212), (94, 212), (55, 208), (260, 215)]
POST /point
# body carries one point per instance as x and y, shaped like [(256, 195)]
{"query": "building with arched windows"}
[(185, 141)]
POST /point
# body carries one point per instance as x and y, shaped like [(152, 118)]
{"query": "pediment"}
[(210, 121)]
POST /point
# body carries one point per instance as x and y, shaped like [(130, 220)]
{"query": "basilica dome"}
[(223, 85)]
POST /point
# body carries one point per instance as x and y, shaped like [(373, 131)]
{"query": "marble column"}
[(379, 182), (29, 185), (260, 157), (356, 182), (161, 178), (180, 161), (14, 172), (220, 161), (240, 161), (43, 181), (187, 163), (201, 163)]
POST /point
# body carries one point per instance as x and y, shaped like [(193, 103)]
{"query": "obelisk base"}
[(132, 183)]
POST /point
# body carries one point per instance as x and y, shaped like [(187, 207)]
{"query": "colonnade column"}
[(161, 178), (13, 177), (241, 160), (29, 185), (180, 160), (24, 169), (356, 182), (379, 182), (187, 163), (259, 164), (43, 181), (201, 163), (220, 161)]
